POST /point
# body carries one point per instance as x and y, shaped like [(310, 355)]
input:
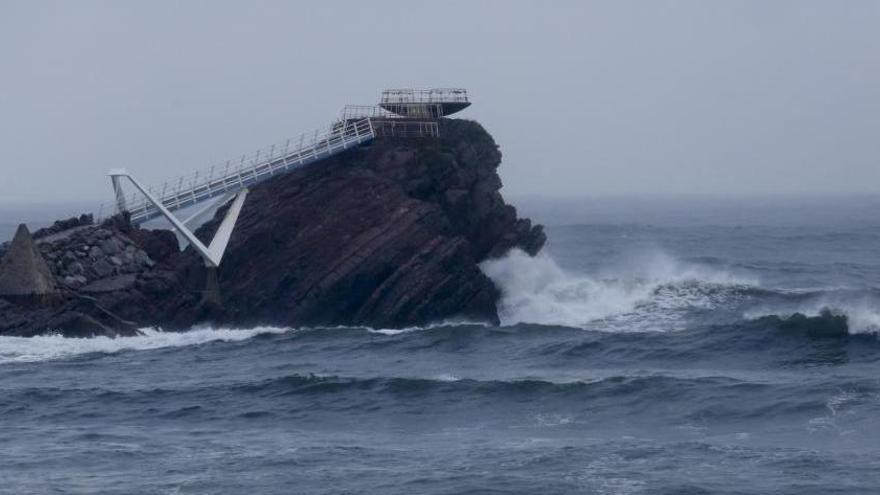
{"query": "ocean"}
[(650, 349)]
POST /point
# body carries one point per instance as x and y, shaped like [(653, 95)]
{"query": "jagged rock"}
[(77, 280), (74, 281), (68, 257), (386, 235), (142, 259), (110, 246), (102, 268), (23, 271), (62, 225), (372, 238), (77, 324), (75, 268), (456, 197), (110, 284), (157, 245)]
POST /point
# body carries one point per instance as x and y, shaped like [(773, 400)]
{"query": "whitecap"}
[(537, 290), (47, 347)]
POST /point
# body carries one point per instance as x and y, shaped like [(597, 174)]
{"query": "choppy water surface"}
[(636, 357)]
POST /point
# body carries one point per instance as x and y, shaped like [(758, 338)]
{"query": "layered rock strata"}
[(387, 235)]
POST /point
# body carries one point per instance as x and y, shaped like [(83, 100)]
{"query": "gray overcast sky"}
[(594, 98)]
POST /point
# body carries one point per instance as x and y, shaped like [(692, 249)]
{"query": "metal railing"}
[(248, 170), (436, 95), (400, 113), (428, 111), (406, 128), (350, 112)]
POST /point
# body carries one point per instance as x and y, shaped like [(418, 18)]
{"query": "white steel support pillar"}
[(117, 189), (211, 254)]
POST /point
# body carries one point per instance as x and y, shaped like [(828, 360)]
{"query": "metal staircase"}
[(231, 177), (400, 114)]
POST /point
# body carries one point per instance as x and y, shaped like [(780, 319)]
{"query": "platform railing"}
[(436, 95), (391, 128), (234, 175), (350, 112), (429, 111)]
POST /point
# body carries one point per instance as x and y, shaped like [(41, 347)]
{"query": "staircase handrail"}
[(292, 152)]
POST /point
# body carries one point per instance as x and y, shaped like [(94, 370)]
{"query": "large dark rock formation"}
[(386, 235)]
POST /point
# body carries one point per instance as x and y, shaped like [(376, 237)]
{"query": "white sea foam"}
[(42, 348), (439, 324), (47, 347), (863, 319), (537, 290)]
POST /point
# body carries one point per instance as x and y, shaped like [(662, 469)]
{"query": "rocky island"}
[(389, 234)]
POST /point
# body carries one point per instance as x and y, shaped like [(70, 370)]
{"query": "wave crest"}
[(859, 317), (537, 290), (47, 347)]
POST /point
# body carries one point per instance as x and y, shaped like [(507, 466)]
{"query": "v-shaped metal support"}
[(213, 253)]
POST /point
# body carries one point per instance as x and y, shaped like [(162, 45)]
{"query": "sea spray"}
[(537, 290)]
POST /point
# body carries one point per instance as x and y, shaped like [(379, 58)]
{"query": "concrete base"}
[(211, 294)]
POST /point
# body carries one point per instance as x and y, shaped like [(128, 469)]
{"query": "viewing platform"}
[(433, 103)]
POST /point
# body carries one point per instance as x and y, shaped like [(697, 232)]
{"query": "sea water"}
[(641, 353)]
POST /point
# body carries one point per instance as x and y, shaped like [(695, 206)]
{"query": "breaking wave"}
[(656, 292), (50, 347), (47, 347), (537, 290), (861, 316)]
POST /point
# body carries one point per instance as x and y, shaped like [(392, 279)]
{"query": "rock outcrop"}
[(386, 235), (64, 225)]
